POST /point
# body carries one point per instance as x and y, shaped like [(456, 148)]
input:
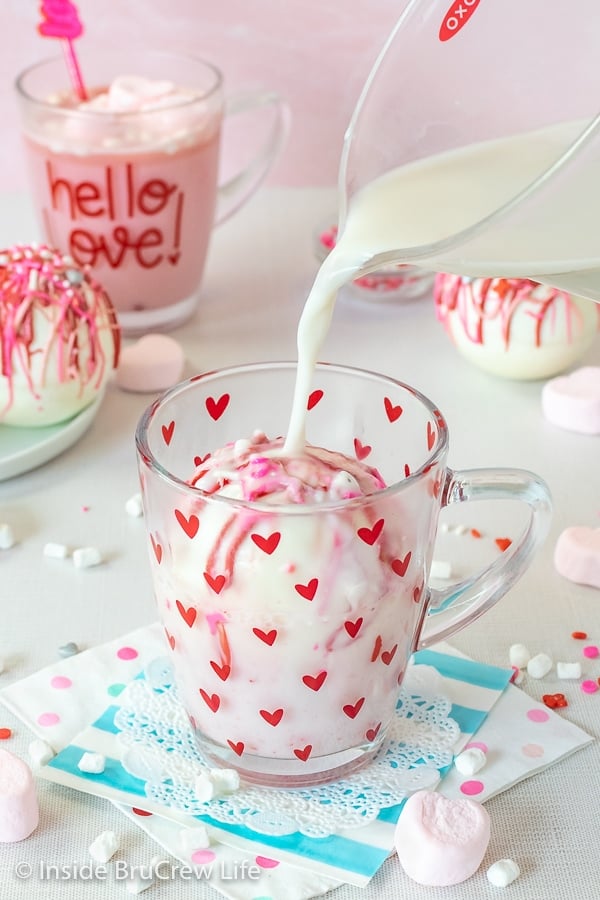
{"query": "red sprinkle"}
[(555, 701), (5, 734), (140, 812), (503, 543), (579, 635), (475, 533)]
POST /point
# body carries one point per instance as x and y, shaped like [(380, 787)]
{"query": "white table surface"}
[(260, 268)]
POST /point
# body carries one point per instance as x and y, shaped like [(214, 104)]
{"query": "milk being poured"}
[(435, 198)]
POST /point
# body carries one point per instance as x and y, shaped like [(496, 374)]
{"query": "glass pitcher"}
[(474, 147)]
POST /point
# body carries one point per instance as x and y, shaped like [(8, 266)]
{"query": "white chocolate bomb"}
[(59, 337), (514, 327)]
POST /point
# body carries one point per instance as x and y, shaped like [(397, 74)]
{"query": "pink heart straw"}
[(61, 20)]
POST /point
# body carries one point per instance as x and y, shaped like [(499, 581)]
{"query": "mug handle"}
[(450, 609), (234, 192)]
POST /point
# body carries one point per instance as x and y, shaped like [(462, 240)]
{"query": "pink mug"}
[(134, 193)]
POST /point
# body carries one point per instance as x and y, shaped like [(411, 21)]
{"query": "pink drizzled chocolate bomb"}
[(290, 622), (59, 337), (514, 327)]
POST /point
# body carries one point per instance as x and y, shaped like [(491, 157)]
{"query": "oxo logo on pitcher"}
[(458, 15)]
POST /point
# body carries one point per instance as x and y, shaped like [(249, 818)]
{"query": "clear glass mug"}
[(496, 146), (291, 627), (135, 194)]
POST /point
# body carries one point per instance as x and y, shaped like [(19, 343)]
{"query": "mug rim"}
[(147, 457), (199, 97)]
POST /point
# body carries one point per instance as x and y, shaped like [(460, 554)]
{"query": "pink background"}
[(315, 53)]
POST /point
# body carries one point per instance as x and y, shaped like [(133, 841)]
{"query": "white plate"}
[(23, 449)]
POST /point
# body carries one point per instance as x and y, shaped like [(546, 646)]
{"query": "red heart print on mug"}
[(309, 590), (372, 733), (304, 753), (388, 655), (314, 682), (167, 432), (361, 450), (430, 436), (314, 398), (267, 636), (267, 545), (399, 566), (370, 535), (223, 671), (213, 701), (236, 746), (353, 709), (353, 627), (392, 412), (216, 408), (273, 718), (158, 551), (189, 524), (188, 615), (216, 582)]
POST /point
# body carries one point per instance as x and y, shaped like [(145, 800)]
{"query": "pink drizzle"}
[(480, 300)]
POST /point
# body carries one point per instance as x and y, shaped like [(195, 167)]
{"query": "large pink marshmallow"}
[(577, 555), (19, 813), (573, 401), (154, 363), (441, 842)]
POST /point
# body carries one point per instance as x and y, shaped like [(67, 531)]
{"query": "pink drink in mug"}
[(293, 590), (127, 182)]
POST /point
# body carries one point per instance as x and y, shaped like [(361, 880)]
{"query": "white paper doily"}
[(159, 747)]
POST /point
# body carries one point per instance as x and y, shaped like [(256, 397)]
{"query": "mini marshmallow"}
[(134, 506), (68, 649), (519, 655), (204, 788), (441, 842), (55, 551), (460, 529), (40, 753), (441, 568), (86, 557), (225, 781), (566, 670), (104, 846), (343, 485), (194, 839), (503, 872), (19, 812), (7, 538), (93, 763), (470, 761), (137, 883), (539, 666)]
